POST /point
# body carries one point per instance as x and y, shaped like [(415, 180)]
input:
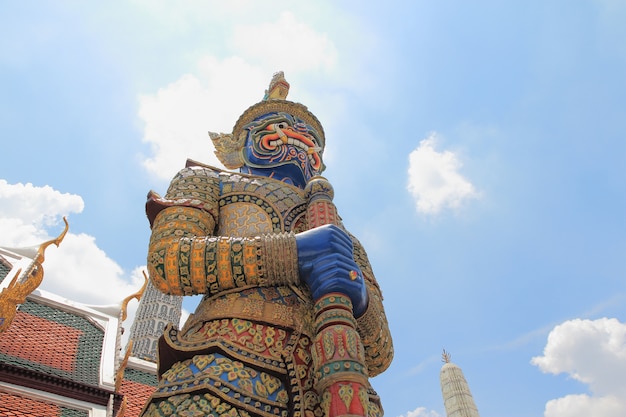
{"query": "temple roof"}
[(54, 342)]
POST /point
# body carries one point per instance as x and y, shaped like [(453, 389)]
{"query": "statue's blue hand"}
[(327, 265)]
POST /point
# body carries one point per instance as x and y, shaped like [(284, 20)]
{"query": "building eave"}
[(16, 375)]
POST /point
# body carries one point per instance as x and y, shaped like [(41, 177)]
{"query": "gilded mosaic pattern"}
[(199, 405), (247, 218), (195, 187), (283, 205), (260, 369), (185, 260), (232, 380), (223, 235), (266, 342), (280, 306)]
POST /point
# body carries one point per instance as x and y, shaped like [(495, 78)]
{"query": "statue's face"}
[(284, 147)]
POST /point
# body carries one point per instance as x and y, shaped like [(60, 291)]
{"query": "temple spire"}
[(457, 397)]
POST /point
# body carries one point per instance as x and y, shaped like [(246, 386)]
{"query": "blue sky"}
[(476, 149)]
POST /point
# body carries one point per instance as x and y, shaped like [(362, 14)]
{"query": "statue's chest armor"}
[(250, 206)]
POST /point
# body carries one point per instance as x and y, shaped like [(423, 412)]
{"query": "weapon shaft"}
[(339, 358)]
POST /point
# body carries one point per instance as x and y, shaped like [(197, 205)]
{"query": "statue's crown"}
[(279, 87), (228, 146)]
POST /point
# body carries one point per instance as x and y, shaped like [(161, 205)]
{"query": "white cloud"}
[(25, 209), (176, 17), (434, 180), (297, 46), (594, 353), (583, 405), (178, 117), (421, 412), (81, 271), (77, 269), (16, 233)]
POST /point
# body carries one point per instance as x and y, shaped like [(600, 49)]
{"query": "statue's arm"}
[(185, 257), (372, 325)]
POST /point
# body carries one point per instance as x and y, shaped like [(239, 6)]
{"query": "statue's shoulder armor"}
[(199, 181), (195, 186)]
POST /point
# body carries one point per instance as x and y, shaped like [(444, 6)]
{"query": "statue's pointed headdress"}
[(228, 146)]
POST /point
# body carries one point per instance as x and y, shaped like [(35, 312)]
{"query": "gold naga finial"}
[(445, 356), (136, 296), (123, 407), (119, 373), (24, 283)]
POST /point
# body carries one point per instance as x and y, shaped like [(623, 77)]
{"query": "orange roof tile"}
[(42, 341), (136, 395), (18, 406)]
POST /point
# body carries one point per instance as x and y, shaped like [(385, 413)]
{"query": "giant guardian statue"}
[(291, 322)]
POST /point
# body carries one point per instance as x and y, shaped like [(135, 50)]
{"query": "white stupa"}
[(457, 397)]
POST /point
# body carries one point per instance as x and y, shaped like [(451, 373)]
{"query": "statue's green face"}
[(283, 146)]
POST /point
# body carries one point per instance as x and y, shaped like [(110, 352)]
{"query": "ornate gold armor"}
[(246, 349)]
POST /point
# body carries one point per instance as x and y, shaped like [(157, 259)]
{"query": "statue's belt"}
[(174, 346), (253, 309), (295, 317)]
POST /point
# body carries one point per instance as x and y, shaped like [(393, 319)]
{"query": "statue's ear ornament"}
[(228, 149)]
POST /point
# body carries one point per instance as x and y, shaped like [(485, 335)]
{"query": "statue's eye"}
[(282, 125)]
